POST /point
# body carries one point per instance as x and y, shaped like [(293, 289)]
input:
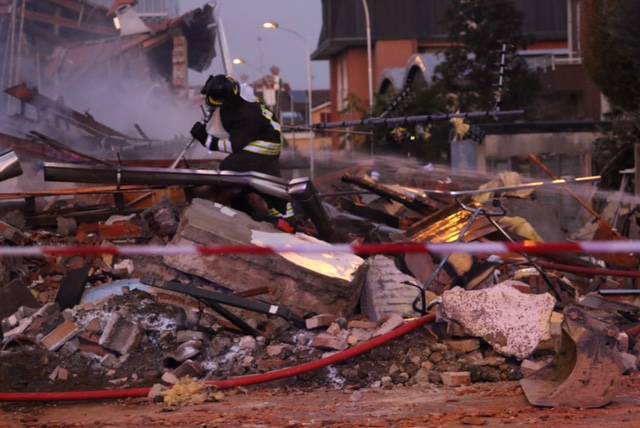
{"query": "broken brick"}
[(392, 322), (85, 230), (184, 352), (463, 346), (92, 348), (187, 335), (170, 378), (529, 367), (275, 350), (362, 324), (59, 373), (319, 321), (456, 378), (120, 230), (59, 336), (189, 368), (359, 335), (329, 342)]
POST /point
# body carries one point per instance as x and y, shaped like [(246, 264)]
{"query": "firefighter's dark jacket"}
[(255, 139)]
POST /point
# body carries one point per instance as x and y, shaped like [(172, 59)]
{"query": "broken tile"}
[(59, 336)]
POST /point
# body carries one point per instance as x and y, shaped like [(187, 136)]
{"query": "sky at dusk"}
[(242, 20)]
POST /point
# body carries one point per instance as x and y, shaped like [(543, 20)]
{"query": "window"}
[(343, 83)]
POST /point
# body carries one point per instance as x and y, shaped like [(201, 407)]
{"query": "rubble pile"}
[(108, 321)]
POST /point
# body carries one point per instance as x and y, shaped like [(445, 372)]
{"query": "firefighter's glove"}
[(199, 132)]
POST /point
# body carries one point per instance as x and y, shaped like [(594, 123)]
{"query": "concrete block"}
[(119, 335), (387, 290), (456, 378), (512, 322), (320, 283)]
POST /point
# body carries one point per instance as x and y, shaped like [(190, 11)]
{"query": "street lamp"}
[(242, 61), (272, 25), (367, 19)]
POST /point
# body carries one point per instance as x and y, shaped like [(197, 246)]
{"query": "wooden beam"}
[(70, 23)]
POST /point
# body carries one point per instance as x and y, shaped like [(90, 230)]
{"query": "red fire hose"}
[(231, 383)]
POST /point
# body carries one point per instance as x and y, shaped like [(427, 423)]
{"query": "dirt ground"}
[(426, 405)]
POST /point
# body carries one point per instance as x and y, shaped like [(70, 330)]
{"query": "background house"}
[(407, 35)]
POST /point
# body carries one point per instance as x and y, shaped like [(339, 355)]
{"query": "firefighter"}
[(247, 131)]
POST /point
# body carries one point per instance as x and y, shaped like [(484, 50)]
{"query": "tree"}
[(612, 58), (470, 71), (612, 54)]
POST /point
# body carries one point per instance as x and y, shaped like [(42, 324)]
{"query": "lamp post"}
[(271, 25), (241, 61), (367, 19)]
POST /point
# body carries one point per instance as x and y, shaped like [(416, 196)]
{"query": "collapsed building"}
[(164, 317), (79, 312)]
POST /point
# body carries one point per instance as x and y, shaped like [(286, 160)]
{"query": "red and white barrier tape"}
[(589, 247)]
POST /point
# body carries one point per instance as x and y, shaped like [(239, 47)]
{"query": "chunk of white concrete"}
[(512, 322)]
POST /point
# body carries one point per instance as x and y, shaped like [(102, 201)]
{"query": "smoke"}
[(120, 103)]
